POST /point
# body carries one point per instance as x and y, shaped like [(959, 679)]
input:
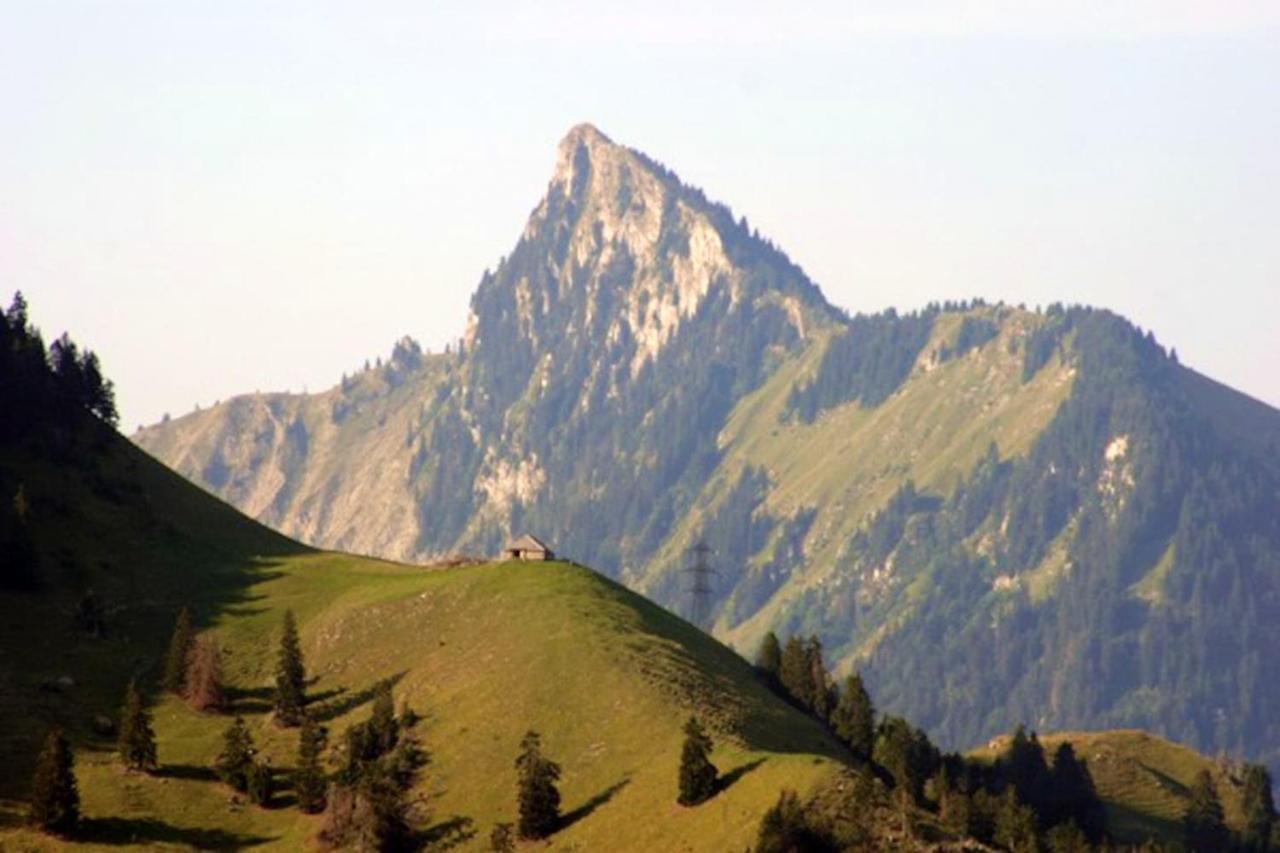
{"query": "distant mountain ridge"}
[(999, 514)]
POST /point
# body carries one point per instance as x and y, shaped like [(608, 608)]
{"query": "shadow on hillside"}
[(283, 795), (584, 810), (148, 543), (186, 772), (119, 830), (243, 608), (1130, 826), (1166, 781), (249, 700), (12, 814), (323, 695), (447, 834), (343, 700), (726, 781)]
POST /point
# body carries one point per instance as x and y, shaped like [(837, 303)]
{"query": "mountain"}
[(632, 311), (997, 514)]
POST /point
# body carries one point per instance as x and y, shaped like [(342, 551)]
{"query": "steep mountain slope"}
[(84, 511), (929, 493), (318, 467)]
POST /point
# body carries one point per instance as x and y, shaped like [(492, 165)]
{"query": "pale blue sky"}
[(225, 197)]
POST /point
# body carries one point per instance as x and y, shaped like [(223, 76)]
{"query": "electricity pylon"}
[(700, 574)]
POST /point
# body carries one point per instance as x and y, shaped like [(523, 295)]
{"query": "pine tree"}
[(175, 662), (360, 752), (203, 690), (503, 838), (100, 395), (769, 658), (907, 754), (369, 741), (17, 315), (368, 803), (291, 675), (539, 799), (955, 806), (1072, 795), (1259, 809), (259, 784), (785, 828), (383, 728), (1016, 825), (55, 800), (389, 803), (1067, 838), (854, 718), (370, 815), (819, 681), (235, 765), (794, 671), (1203, 823), (698, 776), (309, 783), (1025, 768), (137, 742)]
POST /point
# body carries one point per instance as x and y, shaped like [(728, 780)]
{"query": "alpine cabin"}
[(528, 548)]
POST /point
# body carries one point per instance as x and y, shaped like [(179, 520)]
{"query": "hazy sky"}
[(228, 197)]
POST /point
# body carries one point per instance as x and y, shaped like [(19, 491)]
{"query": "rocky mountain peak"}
[(605, 193), (619, 255), (587, 139)]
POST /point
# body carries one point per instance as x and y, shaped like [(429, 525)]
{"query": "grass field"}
[(484, 653)]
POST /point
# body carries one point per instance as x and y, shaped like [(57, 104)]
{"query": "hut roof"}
[(527, 543)]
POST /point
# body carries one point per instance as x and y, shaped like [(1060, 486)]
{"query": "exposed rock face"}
[(642, 372), (624, 284)]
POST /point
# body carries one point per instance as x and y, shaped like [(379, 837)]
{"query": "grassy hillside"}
[(110, 519), (1143, 780), (483, 652)]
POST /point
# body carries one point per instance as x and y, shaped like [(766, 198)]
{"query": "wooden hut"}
[(528, 548)]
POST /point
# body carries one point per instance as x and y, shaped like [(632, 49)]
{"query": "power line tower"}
[(700, 575)]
